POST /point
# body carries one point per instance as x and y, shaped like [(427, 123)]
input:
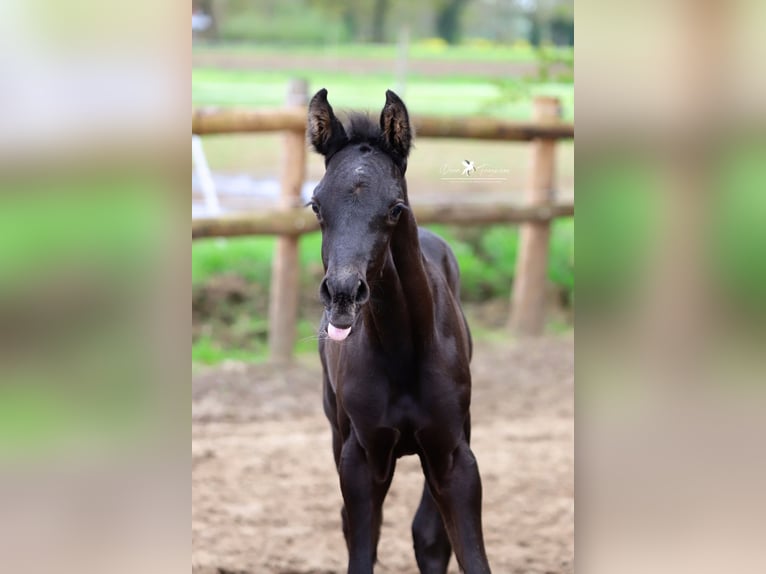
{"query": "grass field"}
[(433, 49), (453, 95), (257, 75)]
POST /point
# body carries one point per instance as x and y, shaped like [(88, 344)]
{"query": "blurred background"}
[(261, 504), (94, 297), (485, 59), (671, 245)]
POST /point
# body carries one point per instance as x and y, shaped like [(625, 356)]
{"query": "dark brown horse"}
[(395, 345)]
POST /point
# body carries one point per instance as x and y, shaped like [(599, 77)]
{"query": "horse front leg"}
[(364, 491), (455, 484)]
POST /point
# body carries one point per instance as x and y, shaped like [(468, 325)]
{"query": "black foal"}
[(396, 349)]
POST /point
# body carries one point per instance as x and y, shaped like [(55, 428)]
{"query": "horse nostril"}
[(324, 293), (362, 292)]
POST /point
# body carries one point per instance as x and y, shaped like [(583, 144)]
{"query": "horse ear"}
[(395, 127), (325, 132)]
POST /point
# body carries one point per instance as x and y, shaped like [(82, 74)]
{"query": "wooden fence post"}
[(285, 271), (529, 286)]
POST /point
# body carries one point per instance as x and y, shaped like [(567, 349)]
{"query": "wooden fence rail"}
[(296, 221), (207, 121), (289, 222)]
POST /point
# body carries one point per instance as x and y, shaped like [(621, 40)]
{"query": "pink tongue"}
[(337, 334)]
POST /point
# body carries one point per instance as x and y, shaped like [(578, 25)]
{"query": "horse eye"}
[(315, 208), (396, 211)]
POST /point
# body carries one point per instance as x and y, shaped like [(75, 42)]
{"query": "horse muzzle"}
[(342, 294)]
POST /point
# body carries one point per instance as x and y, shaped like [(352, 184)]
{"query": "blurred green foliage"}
[(623, 209), (237, 328), (51, 225), (551, 61), (292, 23), (617, 210), (79, 255), (486, 258), (427, 49), (737, 244), (322, 22)]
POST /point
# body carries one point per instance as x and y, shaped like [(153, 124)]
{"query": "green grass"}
[(457, 93), (207, 351), (249, 258), (486, 257), (424, 95), (476, 51), (210, 350), (246, 257)]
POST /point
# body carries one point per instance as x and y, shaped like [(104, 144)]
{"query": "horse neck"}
[(413, 290)]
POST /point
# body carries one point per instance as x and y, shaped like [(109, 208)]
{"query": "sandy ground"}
[(265, 495)]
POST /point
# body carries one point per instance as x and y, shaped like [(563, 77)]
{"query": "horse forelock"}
[(361, 128)]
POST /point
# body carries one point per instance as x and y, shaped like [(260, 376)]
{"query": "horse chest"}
[(375, 403)]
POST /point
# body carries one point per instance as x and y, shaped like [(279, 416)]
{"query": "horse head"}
[(359, 200)]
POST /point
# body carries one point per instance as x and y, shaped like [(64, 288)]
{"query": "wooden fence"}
[(289, 220)]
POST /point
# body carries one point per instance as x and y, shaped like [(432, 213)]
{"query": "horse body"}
[(396, 359), (381, 366)]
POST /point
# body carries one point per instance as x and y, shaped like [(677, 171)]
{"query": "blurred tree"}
[(552, 21), (351, 21), (562, 24), (379, 11), (348, 11), (334, 21), (352, 13), (448, 13)]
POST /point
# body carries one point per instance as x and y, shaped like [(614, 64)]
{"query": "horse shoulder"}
[(439, 254)]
